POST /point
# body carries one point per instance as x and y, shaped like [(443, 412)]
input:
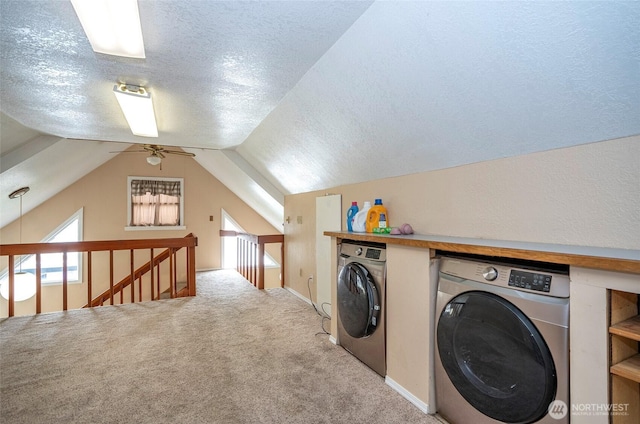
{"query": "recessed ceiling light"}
[(112, 26)]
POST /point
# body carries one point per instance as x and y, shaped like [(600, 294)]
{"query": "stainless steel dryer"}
[(361, 300), (502, 342)]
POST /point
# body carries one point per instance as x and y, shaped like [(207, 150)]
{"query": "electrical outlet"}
[(311, 277)]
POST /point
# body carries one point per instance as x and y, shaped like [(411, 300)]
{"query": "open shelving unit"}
[(624, 333)]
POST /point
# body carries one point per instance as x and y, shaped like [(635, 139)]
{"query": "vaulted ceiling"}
[(282, 97)]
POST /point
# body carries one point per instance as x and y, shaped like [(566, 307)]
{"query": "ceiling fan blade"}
[(131, 151), (178, 152), (159, 153)]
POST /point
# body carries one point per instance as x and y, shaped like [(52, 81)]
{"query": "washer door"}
[(358, 301), (496, 358)]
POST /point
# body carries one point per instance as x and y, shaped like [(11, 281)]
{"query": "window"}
[(230, 245), (155, 203), (51, 263)]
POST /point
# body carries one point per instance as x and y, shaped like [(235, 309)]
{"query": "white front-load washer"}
[(502, 342), (361, 302)]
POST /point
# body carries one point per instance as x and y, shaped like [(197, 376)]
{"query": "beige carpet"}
[(232, 354)]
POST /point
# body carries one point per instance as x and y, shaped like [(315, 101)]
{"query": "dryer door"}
[(496, 358), (358, 301)]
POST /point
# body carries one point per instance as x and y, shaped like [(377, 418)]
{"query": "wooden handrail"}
[(251, 255), (95, 246), (170, 244)]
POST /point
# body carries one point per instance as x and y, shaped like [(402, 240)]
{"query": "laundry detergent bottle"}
[(377, 218), (351, 213), (359, 224)]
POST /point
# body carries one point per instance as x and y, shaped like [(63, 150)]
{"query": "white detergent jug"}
[(360, 219)]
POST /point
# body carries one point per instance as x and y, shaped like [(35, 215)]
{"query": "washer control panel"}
[(372, 253), (530, 280)]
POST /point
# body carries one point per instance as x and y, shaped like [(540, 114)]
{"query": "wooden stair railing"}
[(155, 286), (37, 249), (250, 255)]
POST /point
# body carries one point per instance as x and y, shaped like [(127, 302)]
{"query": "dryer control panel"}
[(530, 280), (520, 276)]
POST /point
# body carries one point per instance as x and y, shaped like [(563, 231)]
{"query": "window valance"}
[(142, 187)]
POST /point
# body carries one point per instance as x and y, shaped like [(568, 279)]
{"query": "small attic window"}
[(155, 203), (51, 263)]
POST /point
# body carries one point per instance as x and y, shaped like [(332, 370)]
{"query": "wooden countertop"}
[(621, 260)]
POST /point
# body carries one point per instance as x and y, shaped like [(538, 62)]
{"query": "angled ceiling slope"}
[(418, 86), (57, 164)]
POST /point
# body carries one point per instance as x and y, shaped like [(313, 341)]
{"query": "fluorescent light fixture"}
[(112, 26), (137, 107)]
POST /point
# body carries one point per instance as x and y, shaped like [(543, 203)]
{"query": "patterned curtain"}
[(155, 203)]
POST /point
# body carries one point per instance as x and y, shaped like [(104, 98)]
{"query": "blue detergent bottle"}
[(353, 210)]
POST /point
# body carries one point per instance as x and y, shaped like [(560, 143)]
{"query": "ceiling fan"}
[(157, 153)]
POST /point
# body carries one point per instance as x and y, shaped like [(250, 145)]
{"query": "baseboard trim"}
[(298, 295), (208, 269), (333, 340), (407, 395)]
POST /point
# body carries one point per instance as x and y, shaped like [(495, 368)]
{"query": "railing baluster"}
[(12, 276), (256, 261), (133, 278), (250, 255), (175, 269), (64, 281), (111, 276), (151, 267), (260, 267), (240, 265), (172, 282), (38, 284), (245, 259), (191, 270), (252, 263), (89, 279), (158, 277), (239, 256), (282, 268)]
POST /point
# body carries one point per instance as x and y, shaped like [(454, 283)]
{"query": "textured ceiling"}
[(215, 69), (314, 94), (417, 86)]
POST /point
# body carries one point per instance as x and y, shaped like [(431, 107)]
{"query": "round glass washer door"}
[(358, 301), (496, 358)]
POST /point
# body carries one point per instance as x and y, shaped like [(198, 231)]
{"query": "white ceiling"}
[(313, 94)]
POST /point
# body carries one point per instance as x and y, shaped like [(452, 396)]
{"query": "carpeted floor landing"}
[(232, 354)]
